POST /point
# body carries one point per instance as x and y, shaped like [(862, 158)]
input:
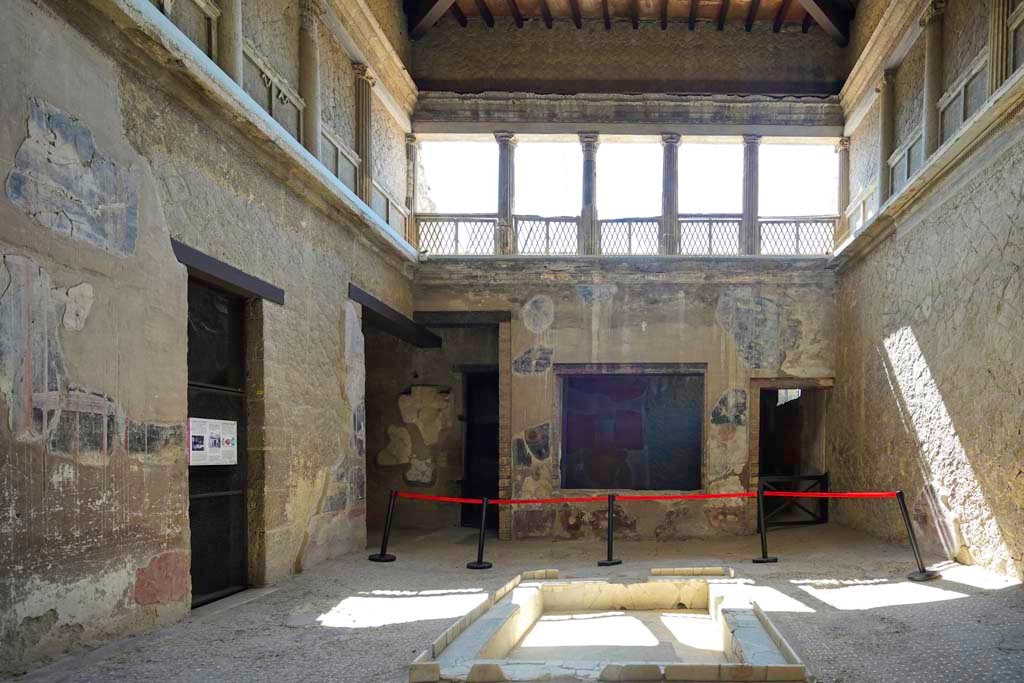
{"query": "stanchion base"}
[(764, 560), (378, 557), (926, 575), (478, 565), (608, 563)]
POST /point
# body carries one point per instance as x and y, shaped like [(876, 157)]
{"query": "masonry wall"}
[(868, 16), (568, 60), (415, 431), (928, 367), (100, 170), (735, 319)]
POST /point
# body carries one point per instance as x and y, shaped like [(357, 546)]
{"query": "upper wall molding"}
[(359, 32), (896, 33), (531, 113)]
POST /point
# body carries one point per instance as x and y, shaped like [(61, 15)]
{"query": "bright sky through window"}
[(711, 177), (798, 180), (549, 178), (629, 179), (461, 177)]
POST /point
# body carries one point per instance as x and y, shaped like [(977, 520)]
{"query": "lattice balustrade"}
[(540, 236), (466, 235), (630, 236), (798, 236), (709, 235)]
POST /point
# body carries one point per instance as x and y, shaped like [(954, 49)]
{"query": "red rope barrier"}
[(830, 494)]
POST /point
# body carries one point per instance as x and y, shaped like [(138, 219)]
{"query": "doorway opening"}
[(791, 450), (217, 456), (480, 456)]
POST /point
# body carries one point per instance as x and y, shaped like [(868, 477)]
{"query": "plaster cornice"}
[(886, 48)]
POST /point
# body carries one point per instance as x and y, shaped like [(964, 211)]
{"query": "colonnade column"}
[(229, 39), (668, 242), (750, 238), (998, 43), (932, 22), (310, 12), (412, 152), (504, 231), (588, 238), (886, 134), (365, 81), (843, 150)]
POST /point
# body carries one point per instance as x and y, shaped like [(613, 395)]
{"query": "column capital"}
[(589, 140), (843, 144), (670, 138), (411, 139), (309, 12), (505, 137), (933, 11), (364, 73), (887, 79), (751, 139)]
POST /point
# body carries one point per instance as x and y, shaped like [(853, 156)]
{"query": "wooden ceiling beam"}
[(755, 5), (485, 13), (607, 15), (428, 15), (545, 12), (833, 16), (513, 9), (780, 16), (459, 15), (577, 18), (723, 12), (694, 4)]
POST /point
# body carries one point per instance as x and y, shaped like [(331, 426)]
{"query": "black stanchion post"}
[(383, 555), (611, 534), (480, 564), (921, 574), (763, 528)]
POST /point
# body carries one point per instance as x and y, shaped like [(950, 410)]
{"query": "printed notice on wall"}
[(212, 442)]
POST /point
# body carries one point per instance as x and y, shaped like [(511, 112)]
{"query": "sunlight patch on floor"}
[(870, 596), (589, 630), (369, 612)]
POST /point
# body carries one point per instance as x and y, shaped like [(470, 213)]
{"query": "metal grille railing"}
[(630, 236), (461, 234), (798, 235), (539, 235), (709, 235)]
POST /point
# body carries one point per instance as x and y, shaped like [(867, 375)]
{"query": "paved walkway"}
[(839, 596)]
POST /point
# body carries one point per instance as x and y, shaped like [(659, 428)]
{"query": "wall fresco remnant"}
[(534, 360), (538, 313), (64, 183)]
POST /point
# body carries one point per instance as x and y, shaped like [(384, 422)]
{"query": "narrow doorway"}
[(480, 460), (217, 458), (781, 434)]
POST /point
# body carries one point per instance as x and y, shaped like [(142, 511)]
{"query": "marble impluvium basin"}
[(676, 625)]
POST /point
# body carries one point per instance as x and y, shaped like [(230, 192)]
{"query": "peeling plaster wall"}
[(415, 439), (865, 21), (388, 152), (908, 94), (742, 321), (964, 36), (568, 60), (864, 151), (337, 85), (929, 369), (94, 538), (100, 169), (273, 28)]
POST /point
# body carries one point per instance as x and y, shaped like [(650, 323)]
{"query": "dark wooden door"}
[(216, 493), (480, 469)]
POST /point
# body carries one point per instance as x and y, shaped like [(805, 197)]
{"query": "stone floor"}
[(839, 596)]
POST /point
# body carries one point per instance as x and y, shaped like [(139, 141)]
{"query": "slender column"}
[(412, 151), (229, 39), (998, 43), (843, 149), (365, 81), (589, 237), (669, 242), (504, 236), (750, 231), (310, 12), (886, 134), (932, 22)]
